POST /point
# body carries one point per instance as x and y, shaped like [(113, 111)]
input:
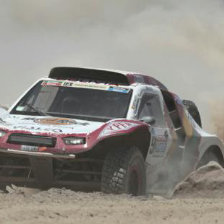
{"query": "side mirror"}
[(148, 120)]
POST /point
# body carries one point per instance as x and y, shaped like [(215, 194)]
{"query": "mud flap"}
[(43, 170)]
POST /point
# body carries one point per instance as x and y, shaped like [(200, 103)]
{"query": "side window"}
[(151, 106), (145, 107)]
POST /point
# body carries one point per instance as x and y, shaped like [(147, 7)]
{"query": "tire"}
[(124, 172), (193, 111)]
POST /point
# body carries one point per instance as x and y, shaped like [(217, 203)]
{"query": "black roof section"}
[(86, 74)]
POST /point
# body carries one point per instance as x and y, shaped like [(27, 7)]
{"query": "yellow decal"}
[(55, 121), (187, 126)]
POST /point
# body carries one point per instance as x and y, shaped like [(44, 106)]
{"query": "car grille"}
[(33, 140)]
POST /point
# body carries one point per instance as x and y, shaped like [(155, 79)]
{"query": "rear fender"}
[(211, 144)]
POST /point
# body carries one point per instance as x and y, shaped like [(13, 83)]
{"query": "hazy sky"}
[(179, 42)]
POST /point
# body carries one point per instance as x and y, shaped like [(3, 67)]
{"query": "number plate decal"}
[(29, 148)]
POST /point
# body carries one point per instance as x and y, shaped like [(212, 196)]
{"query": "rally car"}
[(92, 129)]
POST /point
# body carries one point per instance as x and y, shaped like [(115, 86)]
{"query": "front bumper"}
[(38, 154), (44, 170)]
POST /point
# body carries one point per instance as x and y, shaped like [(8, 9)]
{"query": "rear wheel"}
[(210, 156), (124, 172)]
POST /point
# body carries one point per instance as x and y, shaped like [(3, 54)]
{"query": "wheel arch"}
[(139, 138), (213, 151)]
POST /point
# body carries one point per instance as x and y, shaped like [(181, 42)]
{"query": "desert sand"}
[(198, 199)]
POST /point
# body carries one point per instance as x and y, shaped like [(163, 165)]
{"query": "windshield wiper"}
[(41, 113)]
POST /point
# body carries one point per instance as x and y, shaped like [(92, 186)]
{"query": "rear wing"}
[(85, 74)]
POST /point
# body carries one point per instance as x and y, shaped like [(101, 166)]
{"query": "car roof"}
[(103, 76)]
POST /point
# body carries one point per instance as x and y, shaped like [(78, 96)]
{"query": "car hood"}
[(53, 125)]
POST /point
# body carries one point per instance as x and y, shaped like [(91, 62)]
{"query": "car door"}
[(151, 106)]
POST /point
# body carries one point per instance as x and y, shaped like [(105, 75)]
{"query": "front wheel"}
[(124, 172)]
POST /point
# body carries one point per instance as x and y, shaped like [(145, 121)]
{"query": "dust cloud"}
[(217, 109), (179, 42)]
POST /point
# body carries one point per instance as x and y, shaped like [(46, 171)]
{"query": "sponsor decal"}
[(55, 121), (52, 83), (159, 141), (117, 127), (85, 85), (59, 125), (159, 144), (39, 129), (187, 124), (118, 89), (42, 149), (135, 104)]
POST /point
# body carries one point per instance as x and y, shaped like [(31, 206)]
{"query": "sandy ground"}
[(199, 199)]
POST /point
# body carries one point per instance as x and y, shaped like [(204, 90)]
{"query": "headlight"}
[(2, 133), (74, 141)]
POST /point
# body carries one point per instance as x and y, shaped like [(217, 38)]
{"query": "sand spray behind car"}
[(169, 174)]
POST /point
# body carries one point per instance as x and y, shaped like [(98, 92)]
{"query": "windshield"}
[(75, 100)]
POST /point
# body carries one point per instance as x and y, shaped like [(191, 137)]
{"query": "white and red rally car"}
[(90, 129)]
